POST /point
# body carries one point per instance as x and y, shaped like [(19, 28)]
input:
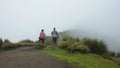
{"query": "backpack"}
[(42, 35), (54, 34)]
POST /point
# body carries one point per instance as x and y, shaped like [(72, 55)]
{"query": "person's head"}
[(42, 30), (54, 29)]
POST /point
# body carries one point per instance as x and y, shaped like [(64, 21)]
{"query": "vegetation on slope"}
[(81, 60)]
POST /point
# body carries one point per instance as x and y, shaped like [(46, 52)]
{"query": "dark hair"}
[(54, 28), (42, 30)]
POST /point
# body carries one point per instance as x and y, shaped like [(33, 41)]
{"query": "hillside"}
[(79, 60), (113, 44), (80, 53), (83, 53)]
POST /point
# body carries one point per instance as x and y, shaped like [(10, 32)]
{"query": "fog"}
[(24, 19)]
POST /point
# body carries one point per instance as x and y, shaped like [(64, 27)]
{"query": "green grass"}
[(79, 60)]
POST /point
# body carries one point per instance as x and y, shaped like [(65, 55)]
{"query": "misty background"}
[(24, 19)]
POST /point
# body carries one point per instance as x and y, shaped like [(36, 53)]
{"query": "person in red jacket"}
[(42, 36)]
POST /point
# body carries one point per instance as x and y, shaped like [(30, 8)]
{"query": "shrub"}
[(84, 49), (109, 55), (65, 38), (77, 39), (8, 45), (78, 47), (1, 42), (118, 54), (96, 46), (26, 41), (48, 41), (28, 44), (112, 54), (68, 38), (65, 44), (7, 41)]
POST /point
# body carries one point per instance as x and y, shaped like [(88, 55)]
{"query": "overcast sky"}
[(22, 19)]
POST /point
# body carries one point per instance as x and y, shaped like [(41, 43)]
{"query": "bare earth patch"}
[(29, 57)]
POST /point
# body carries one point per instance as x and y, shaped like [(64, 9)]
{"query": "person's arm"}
[(39, 36), (52, 33), (57, 34)]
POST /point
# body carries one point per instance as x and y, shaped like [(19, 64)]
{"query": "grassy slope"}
[(81, 60)]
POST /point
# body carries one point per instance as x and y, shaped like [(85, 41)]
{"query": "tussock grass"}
[(81, 60)]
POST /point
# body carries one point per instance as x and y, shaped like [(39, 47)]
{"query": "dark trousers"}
[(54, 41), (42, 40)]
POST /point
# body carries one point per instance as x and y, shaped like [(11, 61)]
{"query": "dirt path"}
[(29, 57)]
